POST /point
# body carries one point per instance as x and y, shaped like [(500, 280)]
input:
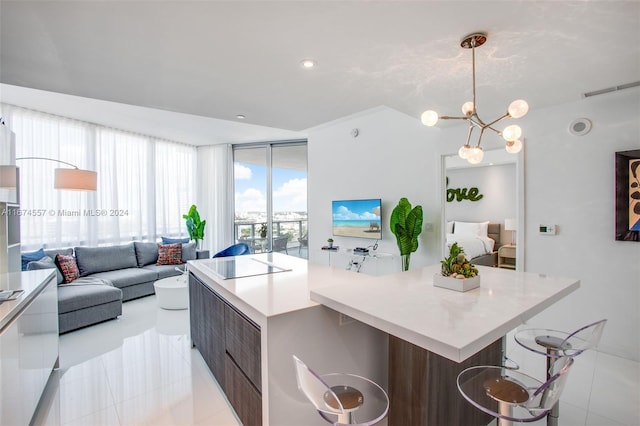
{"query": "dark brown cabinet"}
[(229, 342)]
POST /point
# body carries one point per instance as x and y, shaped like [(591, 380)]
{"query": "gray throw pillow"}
[(45, 263), (188, 252), (146, 253)]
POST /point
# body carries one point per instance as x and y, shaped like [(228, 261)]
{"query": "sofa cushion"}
[(188, 252), (101, 259), (127, 277), (31, 256), (53, 252), (169, 254), (165, 271), (68, 267), (167, 240), (146, 253), (85, 293), (45, 263)]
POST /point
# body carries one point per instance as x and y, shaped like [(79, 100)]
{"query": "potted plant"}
[(263, 230), (406, 225), (457, 273), (330, 241), (195, 226)]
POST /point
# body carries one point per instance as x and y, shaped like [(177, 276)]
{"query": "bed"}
[(479, 240)]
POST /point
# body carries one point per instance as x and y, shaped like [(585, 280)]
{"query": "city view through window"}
[(271, 202)]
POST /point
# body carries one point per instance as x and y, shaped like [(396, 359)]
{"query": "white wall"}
[(569, 181), (391, 158)]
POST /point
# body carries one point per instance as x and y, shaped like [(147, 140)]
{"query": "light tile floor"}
[(141, 370)]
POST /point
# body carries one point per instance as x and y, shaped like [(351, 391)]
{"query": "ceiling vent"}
[(611, 89)]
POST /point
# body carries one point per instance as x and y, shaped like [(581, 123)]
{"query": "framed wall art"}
[(627, 166)]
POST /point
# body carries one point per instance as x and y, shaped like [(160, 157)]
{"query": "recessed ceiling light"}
[(240, 117), (308, 63)]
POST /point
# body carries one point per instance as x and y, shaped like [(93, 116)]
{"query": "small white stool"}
[(172, 292)]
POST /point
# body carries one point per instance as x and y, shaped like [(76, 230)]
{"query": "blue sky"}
[(356, 210), (289, 189)]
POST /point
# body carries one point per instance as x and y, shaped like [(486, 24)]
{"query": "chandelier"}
[(516, 109)]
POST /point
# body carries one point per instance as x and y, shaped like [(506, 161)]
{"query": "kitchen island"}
[(405, 333)]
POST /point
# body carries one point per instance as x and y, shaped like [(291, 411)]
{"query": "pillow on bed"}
[(484, 229), (468, 229), (472, 229)]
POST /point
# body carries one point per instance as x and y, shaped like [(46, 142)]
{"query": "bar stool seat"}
[(341, 398), (512, 396), (555, 344)]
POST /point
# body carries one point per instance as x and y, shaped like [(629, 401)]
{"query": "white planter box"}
[(455, 283)]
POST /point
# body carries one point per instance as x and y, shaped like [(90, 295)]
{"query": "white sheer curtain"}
[(144, 184), (215, 195), (175, 188)]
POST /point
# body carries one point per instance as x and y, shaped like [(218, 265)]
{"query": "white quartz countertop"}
[(273, 294), (452, 324), (32, 282)]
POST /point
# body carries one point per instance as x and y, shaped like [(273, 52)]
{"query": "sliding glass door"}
[(270, 198)]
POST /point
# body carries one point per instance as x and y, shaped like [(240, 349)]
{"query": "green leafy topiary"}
[(195, 226), (406, 225)]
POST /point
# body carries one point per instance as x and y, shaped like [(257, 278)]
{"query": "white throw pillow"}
[(484, 229), (468, 229)]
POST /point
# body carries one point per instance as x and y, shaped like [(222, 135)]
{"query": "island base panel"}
[(423, 389)]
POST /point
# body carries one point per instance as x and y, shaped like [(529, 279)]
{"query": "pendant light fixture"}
[(516, 109)]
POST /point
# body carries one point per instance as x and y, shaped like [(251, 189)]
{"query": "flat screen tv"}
[(357, 218)]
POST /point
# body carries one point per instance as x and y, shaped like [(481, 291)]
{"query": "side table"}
[(507, 257), (172, 292)]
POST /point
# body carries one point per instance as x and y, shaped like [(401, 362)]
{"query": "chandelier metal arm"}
[(471, 127), (447, 117)]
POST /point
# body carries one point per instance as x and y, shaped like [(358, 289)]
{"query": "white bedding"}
[(473, 246)]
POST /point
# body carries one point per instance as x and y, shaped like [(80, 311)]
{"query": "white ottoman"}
[(172, 292)]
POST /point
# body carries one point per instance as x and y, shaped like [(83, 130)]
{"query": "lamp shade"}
[(75, 180), (510, 225), (8, 177)]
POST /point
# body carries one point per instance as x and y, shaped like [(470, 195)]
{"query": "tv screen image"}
[(357, 218)]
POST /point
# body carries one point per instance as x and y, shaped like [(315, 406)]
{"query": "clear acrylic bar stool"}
[(342, 399), (555, 344), (512, 396)]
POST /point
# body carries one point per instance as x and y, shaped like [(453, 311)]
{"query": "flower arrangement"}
[(457, 265)]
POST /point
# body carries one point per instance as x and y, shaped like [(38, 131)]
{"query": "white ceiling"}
[(211, 60)]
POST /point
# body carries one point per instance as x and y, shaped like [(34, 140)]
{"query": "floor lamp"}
[(73, 179)]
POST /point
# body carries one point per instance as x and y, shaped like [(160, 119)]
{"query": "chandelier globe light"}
[(516, 109)]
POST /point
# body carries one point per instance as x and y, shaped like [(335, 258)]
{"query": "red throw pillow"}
[(68, 267), (169, 254)]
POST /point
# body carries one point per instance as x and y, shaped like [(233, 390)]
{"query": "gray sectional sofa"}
[(108, 276)]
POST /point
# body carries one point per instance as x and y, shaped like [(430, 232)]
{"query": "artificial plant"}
[(195, 226), (406, 225), (457, 265)]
